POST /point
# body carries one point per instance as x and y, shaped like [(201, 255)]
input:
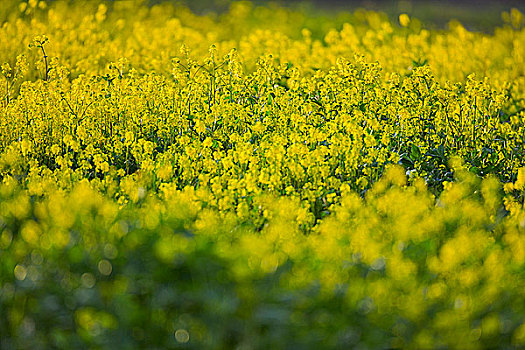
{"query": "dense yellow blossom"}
[(367, 177)]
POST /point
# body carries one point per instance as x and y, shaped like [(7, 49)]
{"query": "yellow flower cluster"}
[(414, 272), (381, 161)]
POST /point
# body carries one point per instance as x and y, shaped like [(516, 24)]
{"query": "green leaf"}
[(415, 153)]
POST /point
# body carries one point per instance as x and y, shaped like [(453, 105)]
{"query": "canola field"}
[(263, 178)]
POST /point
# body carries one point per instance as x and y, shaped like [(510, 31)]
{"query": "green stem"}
[(45, 62)]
